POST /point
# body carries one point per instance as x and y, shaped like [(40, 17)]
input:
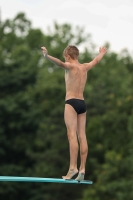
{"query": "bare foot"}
[(80, 176), (70, 174)]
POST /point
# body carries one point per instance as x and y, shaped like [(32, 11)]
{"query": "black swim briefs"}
[(78, 105)]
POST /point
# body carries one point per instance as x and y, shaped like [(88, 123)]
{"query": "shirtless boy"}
[(75, 107)]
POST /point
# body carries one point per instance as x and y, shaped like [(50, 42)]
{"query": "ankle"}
[(82, 171), (73, 169)]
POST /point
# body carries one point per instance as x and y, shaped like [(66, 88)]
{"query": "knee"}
[(71, 136), (82, 138), (84, 151)]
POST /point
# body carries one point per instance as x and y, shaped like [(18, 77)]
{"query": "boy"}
[(75, 107)]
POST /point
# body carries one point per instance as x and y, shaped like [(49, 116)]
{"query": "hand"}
[(103, 50), (45, 51)]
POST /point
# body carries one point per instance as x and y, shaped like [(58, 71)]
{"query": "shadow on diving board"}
[(37, 179)]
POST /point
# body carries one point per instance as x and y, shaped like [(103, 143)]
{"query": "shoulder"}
[(69, 66), (88, 66), (65, 65)]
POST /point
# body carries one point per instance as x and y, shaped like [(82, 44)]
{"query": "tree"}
[(33, 140), (110, 138), (31, 133)]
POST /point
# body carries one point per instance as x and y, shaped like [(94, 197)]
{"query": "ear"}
[(68, 57)]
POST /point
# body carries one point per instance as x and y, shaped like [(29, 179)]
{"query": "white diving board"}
[(37, 179)]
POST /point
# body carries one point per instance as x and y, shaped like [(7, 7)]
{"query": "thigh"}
[(81, 124), (70, 117)]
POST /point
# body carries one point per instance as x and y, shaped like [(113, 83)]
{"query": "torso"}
[(75, 79)]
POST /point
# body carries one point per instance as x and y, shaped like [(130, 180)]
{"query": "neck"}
[(73, 61)]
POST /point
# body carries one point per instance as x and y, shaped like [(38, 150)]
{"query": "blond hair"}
[(72, 51)]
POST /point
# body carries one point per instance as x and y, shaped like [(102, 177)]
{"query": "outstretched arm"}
[(54, 60), (96, 60)]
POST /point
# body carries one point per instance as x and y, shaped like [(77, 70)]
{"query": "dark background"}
[(33, 139)]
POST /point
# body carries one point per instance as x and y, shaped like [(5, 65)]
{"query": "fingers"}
[(103, 49), (43, 48)]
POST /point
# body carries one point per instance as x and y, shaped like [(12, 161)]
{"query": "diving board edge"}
[(38, 179)]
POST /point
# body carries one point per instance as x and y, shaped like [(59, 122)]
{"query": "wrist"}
[(101, 53), (45, 55)]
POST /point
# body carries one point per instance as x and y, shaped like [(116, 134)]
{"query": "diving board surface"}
[(37, 179)]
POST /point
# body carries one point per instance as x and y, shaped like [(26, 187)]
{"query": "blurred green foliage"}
[(33, 140)]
